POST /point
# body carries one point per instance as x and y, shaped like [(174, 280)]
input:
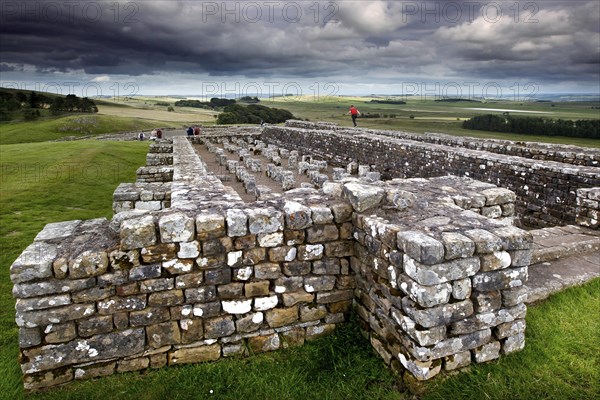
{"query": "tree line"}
[(253, 114), (213, 103), (535, 126), (27, 105)]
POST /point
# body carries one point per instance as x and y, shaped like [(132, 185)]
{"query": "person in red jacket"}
[(354, 113)]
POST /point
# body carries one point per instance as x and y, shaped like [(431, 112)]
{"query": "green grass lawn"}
[(53, 128)]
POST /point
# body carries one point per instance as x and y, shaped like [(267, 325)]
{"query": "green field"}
[(51, 182)]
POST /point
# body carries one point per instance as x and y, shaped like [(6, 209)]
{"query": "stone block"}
[(46, 379), (202, 294), (335, 296), (277, 317), (178, 266), (40, 303), (138, 233), (149, 316), (499, 280), (101, 347), (513, 343), (194, 279), (35, 262), (270, 239), (313, 312), (488, 320), (253, 256), (134, 364), (29, 337), (458, 360), (487, 352), (237, 222), (340, 248), (292, 298), (421, 370), (189, 249), (237, 306), (319, 283), (485, 302), (57, 315), (250, 322), (363, 197), (95, 325), (425, 296), (461, 289), (210, 226), (514, 238), (264, 220), (438, 315), (511, 328), (322, 233), (485, 241), (176, 227), (220, 276), (60, 333), (267, 271), (512, 297), (494, 261), (319, 331), (261, 344), (218, 327), (166, 299), (293, 237), (282, 254), (230, 291), (255, 289), (457, 246), (421, 247), (144, 272), (189, 355), (293, 337), (435, 274), (245, 242), (297, 216)]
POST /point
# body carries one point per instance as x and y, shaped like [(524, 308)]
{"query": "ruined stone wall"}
[(588, 207), (435, 282), (546, 190), (566, 154)]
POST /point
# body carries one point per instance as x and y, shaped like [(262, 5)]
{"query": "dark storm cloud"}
[(538, 41)]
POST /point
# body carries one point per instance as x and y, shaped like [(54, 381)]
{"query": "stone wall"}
[(435, 283), (588, 207), (545, 190)]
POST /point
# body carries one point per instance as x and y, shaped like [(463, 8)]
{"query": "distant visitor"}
[(190, 131), (354, 113), (196, 130)]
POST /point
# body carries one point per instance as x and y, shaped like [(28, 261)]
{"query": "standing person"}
[(190, 131), (354, 113)]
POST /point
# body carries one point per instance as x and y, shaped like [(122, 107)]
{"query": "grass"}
[(54, 128)]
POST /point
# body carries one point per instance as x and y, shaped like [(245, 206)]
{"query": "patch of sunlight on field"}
[(180, 115)]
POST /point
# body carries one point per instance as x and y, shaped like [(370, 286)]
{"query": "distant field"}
[(181, 115)]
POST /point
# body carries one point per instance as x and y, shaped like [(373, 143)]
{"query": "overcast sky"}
[(213, 48)]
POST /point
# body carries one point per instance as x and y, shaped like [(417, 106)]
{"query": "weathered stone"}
[(265, 303), (163, 334), (47, 379), (134, 364), (461, 289), (485, 242), (40, 303), (511, 328), (189, 280), (99, 347), (457, 246), (250, 322), (95, 370), (293, 298), (436, 274), (149, 316), (145, 272), (210, 226), (192, 330), (93, 294), (363, 197), (234, 350), (319, 331), (514, 296), (425, 296), (322, 233), (513, 343), (484, 302), (60, 333), (190, 355), (267, 271), (218, 327), (310, 252), (264, 220), (230, 291), (458, 360), (297, 216), (438, 315), (319, 283), (421, 247), (202, 294), (334, 296), (138, 233), (176, 227), (270, 239), (281, 254), (321, 214), (419, 369), (245, 242), (487, 352), (494, 261), (501, 279), (260, 344), (57, 315), (254, 289), (177, 266), (159, 252), (293, 337), (207, 310), (156, 285), (495, 196), (57, 230), (236, 223), (277, 317), (166, 298), (29, 337), (35, 262), (288, 284), (216, 247), (488, 320), (237, 306), (293, 237), (521, 258), (312, 312), (95, 325)]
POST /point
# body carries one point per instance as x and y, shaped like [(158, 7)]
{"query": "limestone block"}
[(342, 212), (438, 315), (277, 317), (264, 220), (458, 360), (513, 343), (421, 247), (149, 316), (514, 238), (319, 331), (35, 262), (138, 233), (363, 197), (326, 266), (424, 337), (270, 239), (293, 298), (265, 303), (319, 283), (461, 289), (260, 344), (218, 327), (221, 276), (488, 320), (100, 347), (156, 285), (436, 274), (498, 280), (511, 328), (521, 258), (210, 226), (487, 352), (495, 196), (322, 233), (29, 337), (288, 284), (494, 261), (297, 216), (296, 268), (340, 248), (335, 296), (134, 364), (57, 315), (236, 223), (250, 322), (188, 355), (310, 252), (401, 199), (485, 302), (143, 272), (284, 253), (485, 241), (425, 296), (176, 227), (166, 298), (40, 303), (95, 325), (60, 333), (159, 252), (512, 297), (47, 379), (202, 294), (189, 250), (237, 306), (267, 271), (420, 370)]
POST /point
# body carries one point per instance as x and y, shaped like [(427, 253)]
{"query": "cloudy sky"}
[(214, 48)]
